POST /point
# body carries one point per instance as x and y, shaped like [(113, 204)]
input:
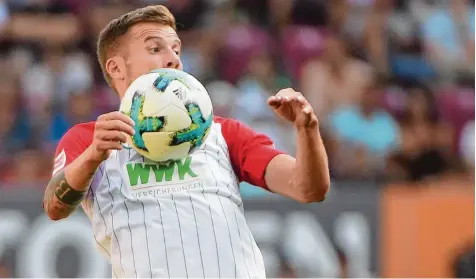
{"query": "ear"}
[(116, 68)]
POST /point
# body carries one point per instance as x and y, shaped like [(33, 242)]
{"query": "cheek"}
[(139, 67), (149, 63)]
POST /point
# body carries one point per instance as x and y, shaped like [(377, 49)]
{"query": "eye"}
[(177, 52), (155, 49)]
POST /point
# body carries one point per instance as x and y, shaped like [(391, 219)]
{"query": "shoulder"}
[(250, 152), (228, 125), (72, 144), (220, 120), (236, 132), (224, 121), (77, 138), (81, 132)]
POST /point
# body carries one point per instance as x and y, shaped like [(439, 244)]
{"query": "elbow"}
[(53, 215), (314, 194)]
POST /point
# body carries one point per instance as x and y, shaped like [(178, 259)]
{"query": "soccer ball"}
[(172, 113)]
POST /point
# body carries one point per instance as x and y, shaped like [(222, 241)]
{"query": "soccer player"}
[(183, 219)]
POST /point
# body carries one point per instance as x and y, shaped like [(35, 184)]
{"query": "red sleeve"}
[(73, 144), (250, 152)]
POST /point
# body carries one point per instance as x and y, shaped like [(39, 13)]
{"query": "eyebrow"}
[(148, 38)]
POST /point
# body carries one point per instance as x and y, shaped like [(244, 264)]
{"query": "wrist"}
[(90, 160), (307, 129)]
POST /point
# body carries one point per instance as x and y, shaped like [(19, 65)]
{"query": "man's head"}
[(335, 52), (136, 43)]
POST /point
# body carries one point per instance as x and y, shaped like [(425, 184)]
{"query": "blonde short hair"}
[(109, 38)]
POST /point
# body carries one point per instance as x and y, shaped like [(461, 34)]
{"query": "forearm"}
[(311, 172), (66, 189)]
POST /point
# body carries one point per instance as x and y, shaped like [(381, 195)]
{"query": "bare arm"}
[(304, 178), (67, 188)]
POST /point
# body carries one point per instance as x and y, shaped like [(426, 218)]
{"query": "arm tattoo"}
[(68, 195), (67, 198)]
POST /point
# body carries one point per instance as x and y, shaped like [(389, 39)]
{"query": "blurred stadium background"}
[(392, 82)]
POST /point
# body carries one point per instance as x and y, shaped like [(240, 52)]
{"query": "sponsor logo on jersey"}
[(154, 179)]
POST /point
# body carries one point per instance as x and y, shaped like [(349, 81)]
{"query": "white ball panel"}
[(159, 149), (176, 118), (199, 95), (143, 83), (155, 103)]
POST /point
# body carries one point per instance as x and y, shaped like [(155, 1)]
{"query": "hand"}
[(109, 134), (292, 106)]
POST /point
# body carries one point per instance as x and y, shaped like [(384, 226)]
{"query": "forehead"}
[(143, 30)]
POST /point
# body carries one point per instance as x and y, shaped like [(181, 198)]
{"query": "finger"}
[(302, 100), (275, 101), (286, 92), (295, 104), (307, 110), (117, 115), (109, 145), (287, 99), (119, 126), (113, 135)]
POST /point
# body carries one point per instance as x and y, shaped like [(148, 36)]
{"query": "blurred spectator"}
[(75, 74), (405, 50), (463, 265), (426, 141), (27, 168), (79, 109), (298, 45), (335, 80), (364, 134), (241, 43), (222, 93), (348, 17), (188, 13), (38, 85), (4, 14), (196, 56), (19, 60), (384, 24), (467, 145), (448, 35), (309, 12), (39, 6), (15, 131), (279, 13), (51, 80), (260, 82)]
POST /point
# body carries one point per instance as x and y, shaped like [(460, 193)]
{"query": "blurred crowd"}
[(392, 81)]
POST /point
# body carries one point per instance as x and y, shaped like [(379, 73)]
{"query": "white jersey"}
[(183, 219)]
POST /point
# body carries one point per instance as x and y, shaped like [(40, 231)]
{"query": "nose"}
[(172, 60)]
